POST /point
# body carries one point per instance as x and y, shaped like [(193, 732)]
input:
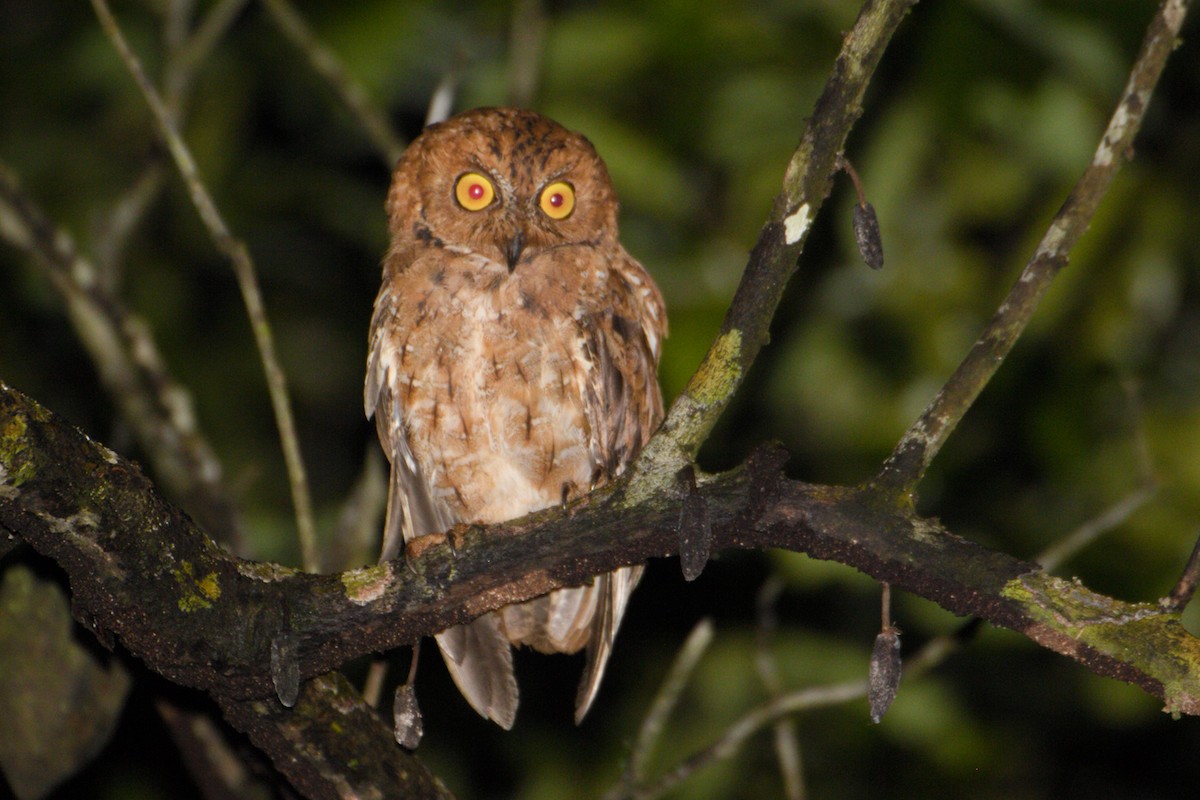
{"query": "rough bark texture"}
[(207, 619)]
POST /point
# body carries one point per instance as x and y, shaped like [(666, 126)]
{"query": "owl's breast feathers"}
[(516, 389)]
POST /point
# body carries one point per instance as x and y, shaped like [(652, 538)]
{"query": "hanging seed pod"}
[(407, 722), (884, 675), (866, 235)]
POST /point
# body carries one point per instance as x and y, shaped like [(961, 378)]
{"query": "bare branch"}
[(773, 259), (664, 703), (351, 93), (913, 454), (787, 746), (156, 407), (243, 267), (526, 37)]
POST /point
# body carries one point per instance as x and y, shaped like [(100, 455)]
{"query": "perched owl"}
[(512, 366)]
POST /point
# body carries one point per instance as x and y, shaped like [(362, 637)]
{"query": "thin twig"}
[(917, 448), (216, 769), (1116, 514), (120, 345), (372, 689), (326, 64), (695, 646), (247, 280), (441, 100), (526, 36), (177, 17), (844, 164), (885, 604), (355, 539), (184, 60), (777, 708), (113, 228), (184, 57), (787, 746), (664, 702), (749, 724)]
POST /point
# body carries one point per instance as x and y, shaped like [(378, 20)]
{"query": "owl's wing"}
[(479, 659), (477, 654), (624, 407), (613, 591), (411, 510)]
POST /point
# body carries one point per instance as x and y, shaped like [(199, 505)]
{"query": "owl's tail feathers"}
[(615, 589), (479, 658)]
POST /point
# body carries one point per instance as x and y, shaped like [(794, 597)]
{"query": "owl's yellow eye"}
[(558, 200), (474, 192)]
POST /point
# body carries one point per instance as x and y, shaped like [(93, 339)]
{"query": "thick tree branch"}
[(349, 91), (208, 619), (331, 745)]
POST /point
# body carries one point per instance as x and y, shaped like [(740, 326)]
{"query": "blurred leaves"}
[(60, 695)]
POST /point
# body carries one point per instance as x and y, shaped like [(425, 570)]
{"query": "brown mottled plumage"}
[(512, 366)]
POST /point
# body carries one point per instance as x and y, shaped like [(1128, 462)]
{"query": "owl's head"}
[(505, 183)]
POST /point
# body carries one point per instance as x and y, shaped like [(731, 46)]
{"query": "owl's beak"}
[(512, 250)]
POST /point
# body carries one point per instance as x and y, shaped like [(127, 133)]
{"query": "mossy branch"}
[(772, 262), (208, 619)]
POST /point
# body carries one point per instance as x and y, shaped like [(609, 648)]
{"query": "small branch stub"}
[(695, 527), (285, 668)]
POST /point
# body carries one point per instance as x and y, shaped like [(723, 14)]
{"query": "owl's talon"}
[(414, 549)]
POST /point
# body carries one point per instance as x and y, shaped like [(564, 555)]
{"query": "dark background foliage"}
[(981, 117)]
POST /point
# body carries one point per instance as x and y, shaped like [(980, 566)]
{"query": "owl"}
[(514, 347)]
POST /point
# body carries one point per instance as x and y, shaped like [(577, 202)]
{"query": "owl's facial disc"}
[(515, 216)]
